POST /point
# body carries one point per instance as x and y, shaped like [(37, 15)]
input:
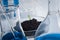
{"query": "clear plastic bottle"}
[(10, 27), (49, 28)]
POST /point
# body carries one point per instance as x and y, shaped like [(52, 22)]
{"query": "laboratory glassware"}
[(49, 28), (9, 27), (31, 15)]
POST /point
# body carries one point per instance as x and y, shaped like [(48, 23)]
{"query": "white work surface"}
[(30, 38)]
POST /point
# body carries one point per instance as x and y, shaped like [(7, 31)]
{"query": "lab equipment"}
[(9, 26), (9, 5), (31, 15), (49, 28)]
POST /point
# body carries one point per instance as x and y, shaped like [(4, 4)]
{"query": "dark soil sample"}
[(30, 25)]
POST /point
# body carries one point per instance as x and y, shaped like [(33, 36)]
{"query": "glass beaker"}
[(31, 15), (11, 27), (49, 28)]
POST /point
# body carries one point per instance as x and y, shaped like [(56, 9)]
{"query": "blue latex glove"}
[(49, 37), (18, 36)]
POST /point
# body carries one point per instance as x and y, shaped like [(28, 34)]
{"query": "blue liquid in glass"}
[(49, 37), (18, 36)]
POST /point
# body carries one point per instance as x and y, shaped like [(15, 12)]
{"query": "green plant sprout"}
[(29, 17)]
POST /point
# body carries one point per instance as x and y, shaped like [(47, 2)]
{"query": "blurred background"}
[(31, 14)]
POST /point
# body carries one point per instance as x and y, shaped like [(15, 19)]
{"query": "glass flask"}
[(49, 29), (31, 15), (10, 21)]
